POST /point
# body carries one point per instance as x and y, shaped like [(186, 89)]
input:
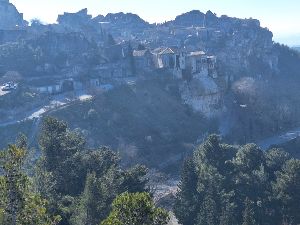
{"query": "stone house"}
[(172, 59), (143, 60), (201, 65), (197, 64), (164, 58)]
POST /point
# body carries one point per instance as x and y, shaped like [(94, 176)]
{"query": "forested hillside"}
[(224, 184), (70, 184)]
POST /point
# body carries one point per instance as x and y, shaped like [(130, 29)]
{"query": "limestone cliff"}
[(203, 95)]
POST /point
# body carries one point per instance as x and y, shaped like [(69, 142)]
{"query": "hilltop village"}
[(211, 59)]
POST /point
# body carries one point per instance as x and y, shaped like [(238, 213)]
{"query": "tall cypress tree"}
[(186, 205)]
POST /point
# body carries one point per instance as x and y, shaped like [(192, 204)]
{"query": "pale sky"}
[(282, 17)]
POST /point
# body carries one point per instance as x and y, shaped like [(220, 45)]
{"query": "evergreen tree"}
[(225, 184), (19, 204), (87, 210), (186, 204), (135, 209), (208, 212), (248, 214), (228, 216), (135, 179), (287, 190), (60, 156), (12, 162)]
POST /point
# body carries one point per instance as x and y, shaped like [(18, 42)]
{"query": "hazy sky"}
[(280, 16)]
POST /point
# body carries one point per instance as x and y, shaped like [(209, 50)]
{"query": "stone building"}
[(143, 60), (201, 65), (164, 58), (172, 59)]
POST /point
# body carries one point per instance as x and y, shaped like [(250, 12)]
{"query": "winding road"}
[(56, 103)]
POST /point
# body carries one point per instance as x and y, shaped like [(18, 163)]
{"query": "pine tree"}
[(60, 156), (186, 204), (15, 182), (135, 209), (22, 205), (86, 211), (209, 214), (287, 190), (228, 216), (248, 215)]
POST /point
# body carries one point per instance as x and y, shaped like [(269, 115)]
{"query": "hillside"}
[(146, 122), (112, 120), (156, 88)]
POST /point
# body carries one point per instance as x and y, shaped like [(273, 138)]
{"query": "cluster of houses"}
[(178, 62)]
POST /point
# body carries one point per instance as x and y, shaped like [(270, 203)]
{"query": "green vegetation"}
[(147, 122), (19, 203), (292, 147), (223, 184), (135, 209), (69, 180), (81, 183), (71, 184)]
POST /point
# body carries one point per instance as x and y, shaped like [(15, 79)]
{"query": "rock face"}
[(75, 21), (10, 18), (194, 17), (128, 20), (203, 95), (124, 26), (80, 22)]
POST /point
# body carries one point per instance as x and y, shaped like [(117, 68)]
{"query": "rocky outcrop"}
[(123, 26), (10, 18), (192, 18), (117, 24), (203, 95), (75, 21), (127, 20), (81, 22)]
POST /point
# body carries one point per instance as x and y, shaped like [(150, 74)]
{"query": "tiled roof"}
[(163, 50), (167, 51)]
